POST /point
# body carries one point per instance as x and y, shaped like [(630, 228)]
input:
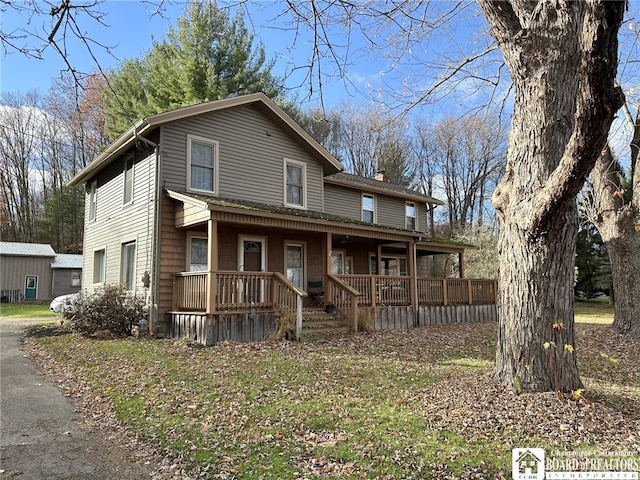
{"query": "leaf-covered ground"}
[(400, 404)]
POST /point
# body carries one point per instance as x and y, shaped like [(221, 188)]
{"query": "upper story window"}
[(410, 215), (93, 192), (368, 208), (295, 183), (128, 181), (202, 164)]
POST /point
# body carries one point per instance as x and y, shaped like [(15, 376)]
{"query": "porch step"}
[(318, 325)]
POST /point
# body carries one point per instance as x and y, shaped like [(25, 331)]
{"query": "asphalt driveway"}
[(42, 436)]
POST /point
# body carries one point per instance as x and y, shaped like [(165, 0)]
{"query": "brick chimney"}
[(382, 176)]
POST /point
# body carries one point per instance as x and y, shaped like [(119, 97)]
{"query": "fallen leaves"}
[(401, 404)]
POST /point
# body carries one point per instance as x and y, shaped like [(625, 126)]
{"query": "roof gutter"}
[(130, 136)]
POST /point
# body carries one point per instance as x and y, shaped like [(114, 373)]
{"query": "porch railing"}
[(246, 290), (456, 291), (345, 298), (238, 291), (287, 298), (395, 290)]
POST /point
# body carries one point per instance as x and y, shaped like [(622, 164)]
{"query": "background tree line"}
[(47, 138)]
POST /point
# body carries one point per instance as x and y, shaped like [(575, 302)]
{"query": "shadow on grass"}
[(42, 330)]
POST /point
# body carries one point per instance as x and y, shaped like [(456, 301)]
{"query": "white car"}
[(64, 302)]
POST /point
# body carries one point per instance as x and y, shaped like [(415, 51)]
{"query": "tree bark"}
[(616, 221), (562, 56)]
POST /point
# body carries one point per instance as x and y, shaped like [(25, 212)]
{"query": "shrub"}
[(110, 308)]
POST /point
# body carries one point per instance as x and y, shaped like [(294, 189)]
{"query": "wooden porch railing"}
[(245, 290), (287, 298), (395, 290), (344, 297), (239, 291)]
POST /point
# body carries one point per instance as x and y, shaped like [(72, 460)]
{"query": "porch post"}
[(212, 264), (461, 262), (413, 271), (328, 287)]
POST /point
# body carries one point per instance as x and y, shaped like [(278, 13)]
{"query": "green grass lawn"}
[(594, 311), (25, 310), (387, 405)]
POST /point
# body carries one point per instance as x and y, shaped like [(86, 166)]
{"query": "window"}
[(396, 266), (368, 209), (75, 278), (410, 215), (199, 254), (93, 190), (337, 262), (203, 164), (295, 179), (295, 264), (128, 265), (99, 258), (128, 181)]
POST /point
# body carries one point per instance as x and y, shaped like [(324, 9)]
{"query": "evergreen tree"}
[(208, 56)]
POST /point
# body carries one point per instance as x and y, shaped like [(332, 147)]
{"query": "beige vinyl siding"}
[(390, 211), (346, 202), (116, 223), (251, 154), (14, 270)]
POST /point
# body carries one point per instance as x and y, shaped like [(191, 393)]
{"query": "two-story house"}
[(226, 215)]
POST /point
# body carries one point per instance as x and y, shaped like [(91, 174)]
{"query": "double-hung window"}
[(93, 191), (99, 259), (198, 254), (128, 265), (202, 164), (295, 179), (410, 215), (128, 181), (368, 208)]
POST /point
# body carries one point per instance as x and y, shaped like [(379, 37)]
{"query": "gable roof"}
[(376, 186), (18, 249), (143, 128), (67, 260)]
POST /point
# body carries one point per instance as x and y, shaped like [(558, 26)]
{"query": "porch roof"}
[(307, 218)]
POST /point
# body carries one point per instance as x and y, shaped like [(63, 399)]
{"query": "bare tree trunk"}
[(562, 57), (616, 219)]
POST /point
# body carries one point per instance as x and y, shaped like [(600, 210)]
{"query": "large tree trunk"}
[(562, 57), (616, 221)]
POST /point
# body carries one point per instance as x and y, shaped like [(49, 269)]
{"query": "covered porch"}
[(248, 266)]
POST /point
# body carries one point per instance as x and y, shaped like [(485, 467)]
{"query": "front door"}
[(251, 258), (31, 287), (252, 254)]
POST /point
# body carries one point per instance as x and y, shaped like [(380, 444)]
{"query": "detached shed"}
[(25, 271), (66, 274)]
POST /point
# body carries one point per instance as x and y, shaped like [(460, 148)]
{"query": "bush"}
[(110, 308)]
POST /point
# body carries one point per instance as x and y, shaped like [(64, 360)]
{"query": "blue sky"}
[(128, 30)]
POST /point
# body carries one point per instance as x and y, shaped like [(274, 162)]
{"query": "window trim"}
[(362, 210), (123, 280), (100, 281), (93, 200), (414, 217), (303, 247), (286, 162), (128, 159), (216, 147), (190, 237)]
